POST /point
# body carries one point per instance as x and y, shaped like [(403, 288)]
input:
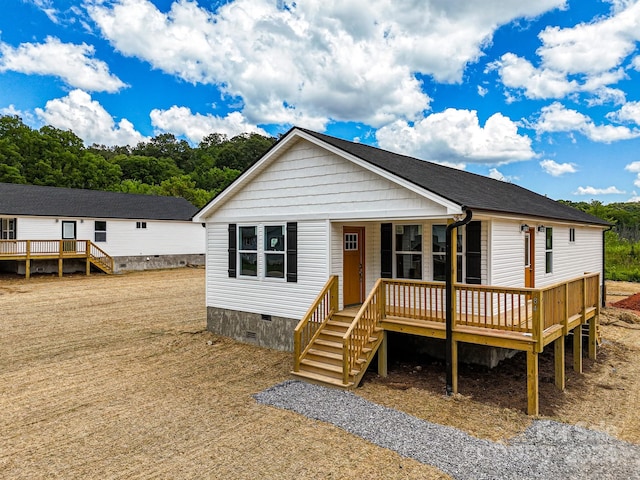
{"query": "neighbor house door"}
[(68, 236), (529, 258), (353, 265)]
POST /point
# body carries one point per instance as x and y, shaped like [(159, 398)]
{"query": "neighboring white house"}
[(315, 206), (138, 231)]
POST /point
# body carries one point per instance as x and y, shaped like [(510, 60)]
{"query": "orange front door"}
[(530, 258), (353, 265)]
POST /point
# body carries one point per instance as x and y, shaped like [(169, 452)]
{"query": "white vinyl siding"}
[(570, 259), (308, 182), (123, 239), (507, 254), (276, 298)]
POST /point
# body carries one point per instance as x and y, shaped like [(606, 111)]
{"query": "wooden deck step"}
[(324, 367), (321, 379)]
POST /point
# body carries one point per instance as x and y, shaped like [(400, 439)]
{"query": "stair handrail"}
[(362, 327), (324, 306), (100, 256)]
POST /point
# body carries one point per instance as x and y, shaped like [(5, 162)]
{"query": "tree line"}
[(164, 165)]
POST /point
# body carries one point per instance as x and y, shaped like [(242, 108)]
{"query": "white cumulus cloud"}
[(456, 137), (88, 120), (311, 62), (629, 112), (74, 64), (588, 57), (598, 191), (557, 118), (634, 167), (556, 169), (181, 121)]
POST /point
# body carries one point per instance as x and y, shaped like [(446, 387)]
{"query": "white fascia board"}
[(378, 215), (542, 221), (452, 207)]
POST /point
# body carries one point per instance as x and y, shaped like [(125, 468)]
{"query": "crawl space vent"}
[(251, 335)]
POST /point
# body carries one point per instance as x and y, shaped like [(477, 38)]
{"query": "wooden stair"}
[(322, 362)]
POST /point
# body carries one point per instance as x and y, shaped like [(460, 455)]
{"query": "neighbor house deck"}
[(336, 347), (60, 250)]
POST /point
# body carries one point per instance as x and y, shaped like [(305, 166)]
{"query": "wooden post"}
[(533, 404), (538, 319), (577, 349), (593, 337), (27, 273), (382, 356), (558, 357)]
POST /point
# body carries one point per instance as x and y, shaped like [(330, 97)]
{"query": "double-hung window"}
[(274, 251), (439, 253), (8, 229), (548, 250), (409, 251), (248, 251), (100, 234)]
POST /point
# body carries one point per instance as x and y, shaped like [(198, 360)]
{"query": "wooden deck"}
[(29, 251), (525, 319)]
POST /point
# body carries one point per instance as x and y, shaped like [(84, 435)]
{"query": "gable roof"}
[(450, 185), (467, 189), (36, 200)]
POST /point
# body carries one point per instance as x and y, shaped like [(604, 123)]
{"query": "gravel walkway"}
[(546, 450)]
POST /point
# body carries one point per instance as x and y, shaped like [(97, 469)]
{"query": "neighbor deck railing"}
[(55, 249), (325, 305)]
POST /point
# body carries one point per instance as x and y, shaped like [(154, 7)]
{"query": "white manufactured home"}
[(319, 225), (55, 229)]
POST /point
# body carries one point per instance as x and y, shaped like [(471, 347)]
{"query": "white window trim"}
[(547, 251), (265, 252), (261, 252)]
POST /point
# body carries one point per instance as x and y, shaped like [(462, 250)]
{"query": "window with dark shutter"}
[(292, 252), (232, 250), (386, 250)]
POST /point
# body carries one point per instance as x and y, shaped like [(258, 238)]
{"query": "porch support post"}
[(450, 272), (382, 356), (533, 403), (27, 265), (558, 358), (577, 349), (593, 322), (60, 265)]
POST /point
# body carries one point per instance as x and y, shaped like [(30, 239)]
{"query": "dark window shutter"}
[(233, 250), (292, 252), (474, 253), (386, 250)]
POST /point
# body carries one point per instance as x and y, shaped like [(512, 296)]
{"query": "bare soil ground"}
[(115, 377)]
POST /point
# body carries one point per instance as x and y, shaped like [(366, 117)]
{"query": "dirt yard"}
[(115, 377)]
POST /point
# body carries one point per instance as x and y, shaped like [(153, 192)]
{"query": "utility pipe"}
[(449, 295)]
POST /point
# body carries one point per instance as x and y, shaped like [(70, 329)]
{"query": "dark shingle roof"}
[(35, 200), (463, 188)]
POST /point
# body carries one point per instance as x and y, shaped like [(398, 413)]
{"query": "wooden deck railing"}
[(27, 250), (362, 328), (528, 311), (325, 305)]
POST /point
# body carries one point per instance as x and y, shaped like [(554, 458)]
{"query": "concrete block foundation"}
[(254, 328)]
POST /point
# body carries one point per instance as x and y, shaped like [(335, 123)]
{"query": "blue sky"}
[(544, 94)]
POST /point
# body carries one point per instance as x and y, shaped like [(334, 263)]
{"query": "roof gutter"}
[(449, 294)]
